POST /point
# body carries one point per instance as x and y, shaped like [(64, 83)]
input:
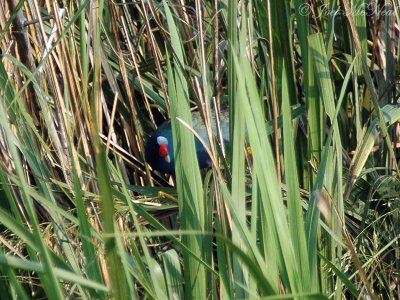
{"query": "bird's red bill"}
[(163, 151)]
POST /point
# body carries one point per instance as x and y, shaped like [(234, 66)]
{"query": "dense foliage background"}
[(309, 210)]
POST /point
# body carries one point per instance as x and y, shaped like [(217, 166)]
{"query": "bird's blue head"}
[(159, 150)]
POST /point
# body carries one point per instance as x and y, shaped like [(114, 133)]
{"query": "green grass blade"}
[(189, 184), (295, 217)]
